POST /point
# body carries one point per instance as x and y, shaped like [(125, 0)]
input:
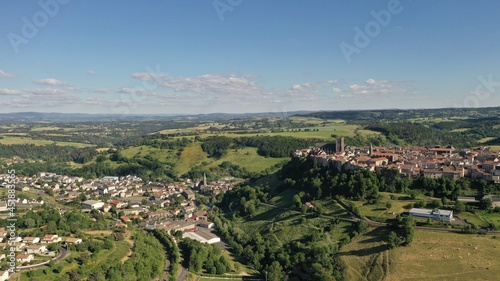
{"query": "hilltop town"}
[(431, 162)]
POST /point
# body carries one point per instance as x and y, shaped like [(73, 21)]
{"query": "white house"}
[(4, 275), (51, 238), (72, 240), (35, 249), (92, 204), (436, 214), (31, 240)]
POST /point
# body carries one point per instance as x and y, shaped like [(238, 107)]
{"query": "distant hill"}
[(41, 117)]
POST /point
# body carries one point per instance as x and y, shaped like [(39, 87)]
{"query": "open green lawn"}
[(25, 140), (446, 256), (379, 211), (191, 156), (368, 132), (366, 257), (431, 256), (143, 150), (488, 218), (495, 147), (249, 159), (471, 218), (460, 130), (246, 158)]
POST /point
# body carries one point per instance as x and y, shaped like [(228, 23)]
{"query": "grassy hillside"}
[(191, 156), (446, 256), (6, 139), (431, 256), (247, 158), (367, 257)]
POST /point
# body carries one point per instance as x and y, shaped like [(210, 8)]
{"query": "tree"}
[(459, 206), (393, 240), (486, 204), (388, 205), (297, 201), (275, 272), (409, 229)]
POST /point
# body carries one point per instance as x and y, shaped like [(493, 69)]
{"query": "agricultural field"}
[(191, 156), (431, 256), (446, 256), (6, 139), (143, 150), (249, 159)]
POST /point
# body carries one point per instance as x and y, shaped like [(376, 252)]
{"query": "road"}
[(183, 275), (64, 254), (374, 223)]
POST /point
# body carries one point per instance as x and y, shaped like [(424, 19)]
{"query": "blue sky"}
[(199, 56)]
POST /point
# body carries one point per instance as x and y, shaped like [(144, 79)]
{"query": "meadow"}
[(7, 139), (431, 256), (446, 256)]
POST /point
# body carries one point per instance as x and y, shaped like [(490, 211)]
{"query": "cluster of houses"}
[(29, 247), (433, 162)]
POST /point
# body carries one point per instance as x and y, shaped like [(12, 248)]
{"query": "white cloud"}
[(91, 72), (48, 91), (137, 91), (208, 84), (96, 101), (9, 92), (4, 74), (373, 88), (104, 91), (50, 82)]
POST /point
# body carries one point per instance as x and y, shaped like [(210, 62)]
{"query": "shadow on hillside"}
[(377, 235), (365, 252)]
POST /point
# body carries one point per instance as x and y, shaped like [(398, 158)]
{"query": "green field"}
[(26, 140), (431, 256), (246, 158), (379, 212), (143, 150), (191, 156), (366, 257), (249, 159), (446, 256)]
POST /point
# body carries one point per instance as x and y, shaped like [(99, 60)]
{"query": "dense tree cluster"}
[(167, 142), (274, 146), (245, 200), (206, 258), (69, 222), (216, 146), (418, 134), (50, 152), (172, 251), (146, 263), (319, 260)]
